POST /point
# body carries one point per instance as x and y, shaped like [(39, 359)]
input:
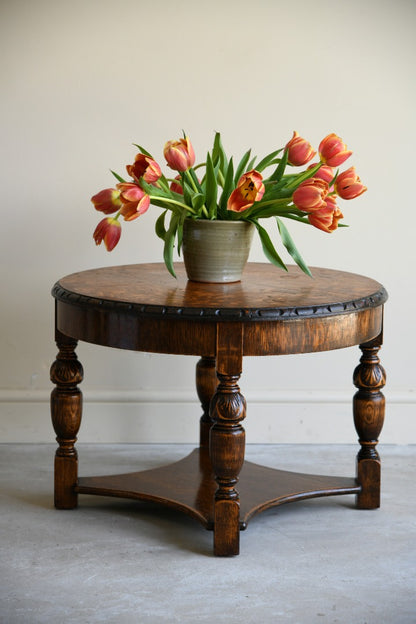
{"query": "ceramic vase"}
[(216, 251)]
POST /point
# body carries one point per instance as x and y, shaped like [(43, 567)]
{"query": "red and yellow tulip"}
[(327, 217), (333, 151), (109, 231), (179, 154), (250, 188), (134, 200), (299, 150), (144, 167), (311, 194), (348, 184), (107, 201)]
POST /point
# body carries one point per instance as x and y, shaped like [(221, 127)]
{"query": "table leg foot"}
[(369, 407), (66, 409), (226, 528)]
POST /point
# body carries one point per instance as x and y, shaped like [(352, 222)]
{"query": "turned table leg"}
[(368, 407), (227, 440), (206, 384), (66, 409)]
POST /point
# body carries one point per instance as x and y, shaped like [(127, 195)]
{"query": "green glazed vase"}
[(216, 251)]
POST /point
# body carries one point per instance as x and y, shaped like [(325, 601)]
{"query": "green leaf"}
[(143, 150), (197, 201), (268, 248), (160, 226), (301, 218), (161, 203), (250, 165), (301, 177), (119, 178), (228, 187), (216, 149), (180, 233), (187, 190), (242, 166), (268, 160), (151, 189), (211, 190), (169, 244), (218, 155), (288, 242), (280, 169), (278, 208), (195, 179)]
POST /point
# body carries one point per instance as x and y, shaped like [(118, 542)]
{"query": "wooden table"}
[(142, 308)]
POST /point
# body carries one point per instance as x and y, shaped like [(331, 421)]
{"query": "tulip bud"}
[(109, 231), (348, 184), (179, 154), (333, 151), (144, 167), (250, 188), (107, 201), (310, 195), (300, 151)]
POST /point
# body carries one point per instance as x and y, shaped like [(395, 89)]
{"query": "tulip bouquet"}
[(228, 191)]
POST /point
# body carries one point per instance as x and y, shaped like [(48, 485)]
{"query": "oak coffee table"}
[(142, 308)]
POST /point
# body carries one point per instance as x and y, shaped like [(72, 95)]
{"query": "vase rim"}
[(222, 221)]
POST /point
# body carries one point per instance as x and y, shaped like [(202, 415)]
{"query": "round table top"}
[(264, 293)]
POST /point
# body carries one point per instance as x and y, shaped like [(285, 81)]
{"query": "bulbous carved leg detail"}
[(369, 407), (66, 410), (206, 384), (227, 445)]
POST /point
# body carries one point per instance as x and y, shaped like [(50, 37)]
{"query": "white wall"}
[(82, 80)]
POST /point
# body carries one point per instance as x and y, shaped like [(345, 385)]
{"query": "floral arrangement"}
[(232, 192)]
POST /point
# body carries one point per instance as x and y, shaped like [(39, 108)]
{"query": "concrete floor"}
[(317, 561)]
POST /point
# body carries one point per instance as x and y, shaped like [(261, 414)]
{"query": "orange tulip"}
[(326, 218), (348, 184), (311, 194), (107, 201), (333, 151), (300, 151), (144, 167), (250, 188), (135, 201), (109, 231), (180, 154)]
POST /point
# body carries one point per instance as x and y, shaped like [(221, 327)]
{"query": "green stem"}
[(256, 209), (192, 181), (172, 201), (164, 184), (282, 200), (296, 218)]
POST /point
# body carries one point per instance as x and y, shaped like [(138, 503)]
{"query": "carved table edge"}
[(374, 300)]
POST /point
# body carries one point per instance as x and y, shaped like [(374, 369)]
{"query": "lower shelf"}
[(189, 486)]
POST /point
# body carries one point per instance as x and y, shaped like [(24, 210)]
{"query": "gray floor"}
[(318, 561)]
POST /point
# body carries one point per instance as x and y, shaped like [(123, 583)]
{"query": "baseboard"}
[(155, 417)]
